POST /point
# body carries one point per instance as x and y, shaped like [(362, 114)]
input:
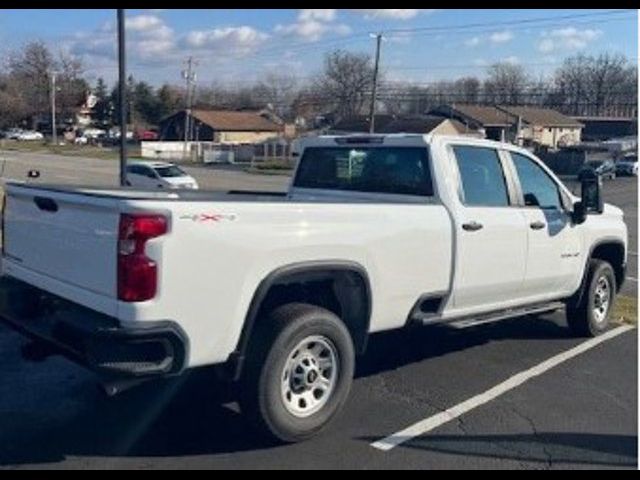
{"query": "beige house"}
[(545, 127), (221, 126), (517, 124)]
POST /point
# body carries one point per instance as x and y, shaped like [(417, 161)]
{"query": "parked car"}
[(602, 168), (29, 135), (13, 133), (158, 175), (627, 167), (147, 135), (280, 292)]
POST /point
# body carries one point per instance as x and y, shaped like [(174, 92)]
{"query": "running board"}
[(475, 320)]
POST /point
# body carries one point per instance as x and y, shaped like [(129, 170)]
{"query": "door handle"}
[(472, 226), (537, 225)]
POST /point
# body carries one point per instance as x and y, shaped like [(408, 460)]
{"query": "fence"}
[(210, 152)]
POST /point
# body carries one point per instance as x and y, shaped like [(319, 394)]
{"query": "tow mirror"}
[(33, 174), (591, 197)]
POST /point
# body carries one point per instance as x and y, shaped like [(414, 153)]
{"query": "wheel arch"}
[(611, 250), (352, 304)]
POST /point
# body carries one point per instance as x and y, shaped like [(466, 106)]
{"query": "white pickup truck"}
[(282, 291)]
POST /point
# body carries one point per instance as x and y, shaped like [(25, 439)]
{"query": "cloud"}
[(242, 40), (313, 24), (319, 14), (501, 37), (391, 13), (143, 23), (513, 60), (495, 38), (472, 42), (569, 38)]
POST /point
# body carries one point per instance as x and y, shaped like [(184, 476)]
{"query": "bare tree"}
[(506, 84), (589, 85), (345, 84), (278, 91), (13, 108)]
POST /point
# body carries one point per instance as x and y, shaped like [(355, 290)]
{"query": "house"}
[(544, 127), (493, 123), (221, 126), (402, 124), (531, 126), (83, 112)]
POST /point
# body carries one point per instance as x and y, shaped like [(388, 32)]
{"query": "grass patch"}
[(625, 310), (279, 166)]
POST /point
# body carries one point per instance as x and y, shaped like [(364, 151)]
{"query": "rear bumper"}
[(96, 341)]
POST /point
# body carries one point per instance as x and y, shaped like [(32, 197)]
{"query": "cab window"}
[(482, 179), (538, 188)]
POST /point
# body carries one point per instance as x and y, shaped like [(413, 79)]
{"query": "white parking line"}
[(428, 424), (633, 279)]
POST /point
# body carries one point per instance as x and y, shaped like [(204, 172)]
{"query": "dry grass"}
[(625, 310)]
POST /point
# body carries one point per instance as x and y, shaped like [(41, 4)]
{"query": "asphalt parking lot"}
[(582, 413)]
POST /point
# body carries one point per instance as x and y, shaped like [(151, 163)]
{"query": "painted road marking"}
[(428, 424), (633, 279)]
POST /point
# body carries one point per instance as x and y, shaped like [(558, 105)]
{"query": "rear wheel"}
[(590, 316), (299, 372)]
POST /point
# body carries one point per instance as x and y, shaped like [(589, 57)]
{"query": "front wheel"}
[(590, 316), (299, 372)]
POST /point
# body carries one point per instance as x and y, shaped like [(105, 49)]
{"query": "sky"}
[(238, 46)]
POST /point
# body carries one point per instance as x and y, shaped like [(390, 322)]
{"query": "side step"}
[(473, 321)]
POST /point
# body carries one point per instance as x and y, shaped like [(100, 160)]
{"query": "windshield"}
[(397, 170), (170, 172)]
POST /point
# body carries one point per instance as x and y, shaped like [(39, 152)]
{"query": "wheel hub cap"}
[(601, 299), (309, 376)]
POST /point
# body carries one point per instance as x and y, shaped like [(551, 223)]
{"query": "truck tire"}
[(299, 372), (590, 317)]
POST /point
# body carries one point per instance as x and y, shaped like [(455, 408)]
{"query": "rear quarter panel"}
[(217, 253)]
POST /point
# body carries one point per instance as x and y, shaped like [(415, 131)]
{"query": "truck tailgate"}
[(68, 237)]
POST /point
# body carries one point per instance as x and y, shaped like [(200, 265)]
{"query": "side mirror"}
[(33, 174), (591, 193), (591, 198)]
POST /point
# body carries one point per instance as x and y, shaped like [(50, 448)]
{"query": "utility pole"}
[(190, 77), (122, 90), (53, 108), (372, 110)]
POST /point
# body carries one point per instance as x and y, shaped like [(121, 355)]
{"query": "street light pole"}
[(372, 110), (53, 108), (122, 90)]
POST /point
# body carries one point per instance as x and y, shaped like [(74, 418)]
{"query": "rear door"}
[(491, 234)]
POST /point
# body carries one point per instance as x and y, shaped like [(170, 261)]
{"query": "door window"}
[(481, 175), (538, 188)]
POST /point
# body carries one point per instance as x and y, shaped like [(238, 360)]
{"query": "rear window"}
[(396, 170), (168, 172)]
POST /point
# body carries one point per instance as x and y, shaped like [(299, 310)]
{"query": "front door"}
[(491, 234), (553, 255)]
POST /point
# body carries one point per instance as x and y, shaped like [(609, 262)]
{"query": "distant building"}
[(545, 127), (529, 126), (221, 126), (605, 128), (494, 123), (83, 113), (403, 124)]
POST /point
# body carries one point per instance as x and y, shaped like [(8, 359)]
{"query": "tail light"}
[(137, 273)]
